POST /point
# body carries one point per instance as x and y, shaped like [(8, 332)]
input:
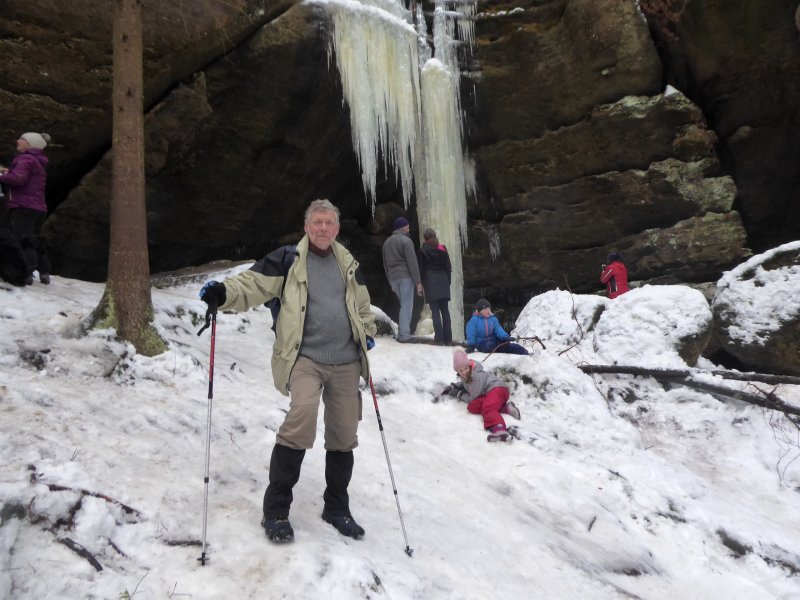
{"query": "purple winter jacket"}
[(26, 179)]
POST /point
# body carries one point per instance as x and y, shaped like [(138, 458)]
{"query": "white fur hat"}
[(36, 140)]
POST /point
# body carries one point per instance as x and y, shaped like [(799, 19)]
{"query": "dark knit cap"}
[(400, 222), (481, 304)]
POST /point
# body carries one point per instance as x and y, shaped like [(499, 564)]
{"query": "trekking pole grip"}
[(211, 315)]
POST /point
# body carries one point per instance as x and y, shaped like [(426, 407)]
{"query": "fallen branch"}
[(680, 373), (54, 487), (533, 338), (687, 377), (81, 551), (767, 400), (574, 314), (762, 377), (183, 542)]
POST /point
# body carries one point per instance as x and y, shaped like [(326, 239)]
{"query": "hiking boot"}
[(278, 531), (344, 525), (44, 278), (509, 408), (29, 280), (499, 433)]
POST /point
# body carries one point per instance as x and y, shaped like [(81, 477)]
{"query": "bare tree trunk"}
[(126, 303)]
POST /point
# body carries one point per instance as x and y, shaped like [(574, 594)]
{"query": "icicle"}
[(466, 24), (425, 53), (376, 55)]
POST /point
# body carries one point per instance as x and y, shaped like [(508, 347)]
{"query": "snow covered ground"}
[(618, 487)]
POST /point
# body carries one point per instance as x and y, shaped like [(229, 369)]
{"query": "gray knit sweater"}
[(327, 334)]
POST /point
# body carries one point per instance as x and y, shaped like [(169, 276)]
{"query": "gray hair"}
[(429, 234), (319, 205)]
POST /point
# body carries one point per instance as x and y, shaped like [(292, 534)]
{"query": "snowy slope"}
[(619, 488)]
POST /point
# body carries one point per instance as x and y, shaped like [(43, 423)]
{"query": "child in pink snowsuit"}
[(485, 394)]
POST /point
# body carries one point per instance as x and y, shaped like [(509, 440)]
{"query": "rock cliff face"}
[(578, 150)]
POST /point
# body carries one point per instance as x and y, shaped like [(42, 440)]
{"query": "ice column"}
[(446, 206)]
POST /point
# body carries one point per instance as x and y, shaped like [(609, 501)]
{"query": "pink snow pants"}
[(489, 406)]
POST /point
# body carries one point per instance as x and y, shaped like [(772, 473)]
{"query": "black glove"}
[(453, 390), (213, 293), (470, 349), (511, 339), (370, 343)]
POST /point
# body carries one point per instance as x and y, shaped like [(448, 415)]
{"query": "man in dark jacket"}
[(25, 182), (402, 271), (435, 269)]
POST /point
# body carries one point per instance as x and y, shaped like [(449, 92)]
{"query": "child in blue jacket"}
[(485, 334)]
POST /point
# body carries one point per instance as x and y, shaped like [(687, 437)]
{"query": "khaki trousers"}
[(338, 386)]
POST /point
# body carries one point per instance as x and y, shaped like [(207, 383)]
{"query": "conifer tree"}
[(126, 304)]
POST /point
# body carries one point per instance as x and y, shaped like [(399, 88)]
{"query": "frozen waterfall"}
[(405, 110)]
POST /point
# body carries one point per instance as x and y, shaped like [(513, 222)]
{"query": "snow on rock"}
[(665, 326), (560, 317), (757, 313), (651, 326)]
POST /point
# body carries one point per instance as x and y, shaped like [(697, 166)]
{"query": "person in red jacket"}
[(615, 275)]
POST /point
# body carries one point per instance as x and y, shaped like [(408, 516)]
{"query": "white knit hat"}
[(36, 140)]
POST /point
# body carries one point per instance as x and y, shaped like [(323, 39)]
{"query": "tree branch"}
[(81, 551), (687, 377)]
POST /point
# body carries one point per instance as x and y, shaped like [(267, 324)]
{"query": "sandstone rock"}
[(741, 62), (228, 153), (56, 73), (756, 313), (548, 64)]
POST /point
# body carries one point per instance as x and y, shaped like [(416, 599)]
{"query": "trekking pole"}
[(408, 549), (211, 316)]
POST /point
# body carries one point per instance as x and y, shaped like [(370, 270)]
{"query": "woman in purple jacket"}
[(25, 183)]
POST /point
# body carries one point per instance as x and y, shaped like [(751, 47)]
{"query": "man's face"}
[(322, 228)]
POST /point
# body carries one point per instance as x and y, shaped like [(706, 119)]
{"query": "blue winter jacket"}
[(484, 333)]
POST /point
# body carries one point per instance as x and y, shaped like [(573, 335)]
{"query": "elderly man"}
[(324, 331), (402, 271)]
